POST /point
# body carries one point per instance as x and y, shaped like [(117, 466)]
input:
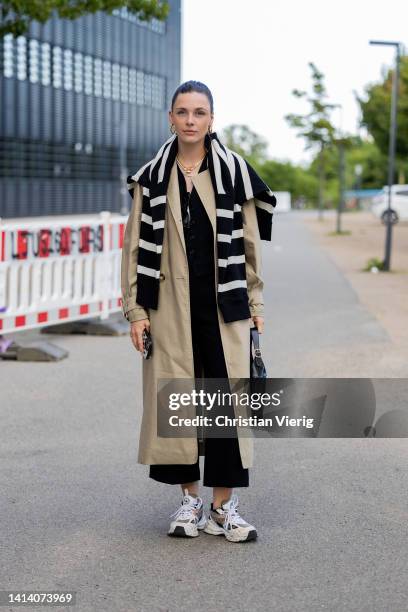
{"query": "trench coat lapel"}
[(202, 183)]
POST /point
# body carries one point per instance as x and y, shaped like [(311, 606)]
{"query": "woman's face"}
[(191, 116)]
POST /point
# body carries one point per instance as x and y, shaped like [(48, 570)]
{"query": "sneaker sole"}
[(180, 532), (218, 530)]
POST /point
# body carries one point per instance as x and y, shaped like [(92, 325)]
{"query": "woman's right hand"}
[(136, 333)]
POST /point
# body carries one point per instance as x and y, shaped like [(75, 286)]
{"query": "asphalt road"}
[(78, 513)]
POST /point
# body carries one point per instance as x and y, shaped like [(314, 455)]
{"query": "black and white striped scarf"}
[(234, 182)]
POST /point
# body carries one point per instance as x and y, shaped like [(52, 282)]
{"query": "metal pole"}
[(391, 158), (341, 185), (358, 170), (340, 149), (321, 192)]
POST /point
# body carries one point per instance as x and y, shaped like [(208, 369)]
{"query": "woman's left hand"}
[(259, 323)]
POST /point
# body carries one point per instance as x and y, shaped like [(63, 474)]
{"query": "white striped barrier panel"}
[(58, 270)]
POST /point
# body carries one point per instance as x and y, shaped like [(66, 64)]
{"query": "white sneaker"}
[(189, 518), (226, 521)]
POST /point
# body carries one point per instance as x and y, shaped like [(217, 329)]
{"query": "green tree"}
[(375, 111), (315, 126), (302, 180), (373, 163), (285, 176), (16, 15), (360, 152), (245, 142), (281, 175)]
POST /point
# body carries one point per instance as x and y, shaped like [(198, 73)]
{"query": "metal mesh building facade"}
[(83, 103)]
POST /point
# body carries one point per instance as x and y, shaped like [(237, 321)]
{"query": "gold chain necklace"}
[(189, 169)]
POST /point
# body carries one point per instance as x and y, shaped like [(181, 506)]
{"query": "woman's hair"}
[(193, 86)]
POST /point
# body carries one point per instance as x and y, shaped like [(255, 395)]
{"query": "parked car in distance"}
[(399, 204)]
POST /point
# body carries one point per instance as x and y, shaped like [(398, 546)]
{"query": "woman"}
[(191, 275)]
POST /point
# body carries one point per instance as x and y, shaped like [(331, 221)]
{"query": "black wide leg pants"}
[(222, 459)]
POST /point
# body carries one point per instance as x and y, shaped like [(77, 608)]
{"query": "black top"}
[(198, 231)]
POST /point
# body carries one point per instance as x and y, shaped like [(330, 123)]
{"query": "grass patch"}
[(375, 263), (341, 233)]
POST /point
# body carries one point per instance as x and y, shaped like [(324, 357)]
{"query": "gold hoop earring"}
[(173, 128), (209, 129)]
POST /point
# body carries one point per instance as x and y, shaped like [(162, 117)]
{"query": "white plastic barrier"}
[(283, 201), (58, 270)]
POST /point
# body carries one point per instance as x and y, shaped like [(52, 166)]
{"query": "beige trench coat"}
[(170, 324)]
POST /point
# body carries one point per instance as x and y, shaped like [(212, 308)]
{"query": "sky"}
[(253, 53)]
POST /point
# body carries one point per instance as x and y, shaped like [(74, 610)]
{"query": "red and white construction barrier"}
[(53, 271)]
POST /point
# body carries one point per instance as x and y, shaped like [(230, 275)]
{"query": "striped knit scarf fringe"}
[(234, 182)]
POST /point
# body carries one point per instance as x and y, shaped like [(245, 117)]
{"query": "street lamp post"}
[(340, 148), (392, 145), (342, 166), (358, 171)]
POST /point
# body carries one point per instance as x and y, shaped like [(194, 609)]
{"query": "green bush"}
[(374, 262)]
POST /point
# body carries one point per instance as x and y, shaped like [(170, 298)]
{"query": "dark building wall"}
[(82, 102)]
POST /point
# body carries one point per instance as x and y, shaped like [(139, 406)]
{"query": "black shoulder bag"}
[(257, 383)]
